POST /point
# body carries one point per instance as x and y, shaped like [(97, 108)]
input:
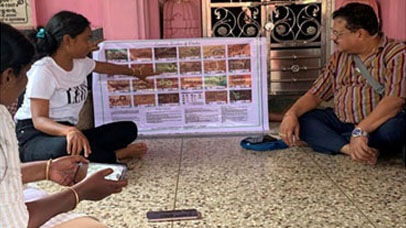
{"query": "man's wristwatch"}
[(358, 132)]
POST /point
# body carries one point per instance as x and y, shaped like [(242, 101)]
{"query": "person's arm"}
[(63, 170), (45, 208), (395, 88), (33, 171), (76, 141), (112, 69), (115, 69), (95, 187), (289, 128), (41, 120), (387, 108)]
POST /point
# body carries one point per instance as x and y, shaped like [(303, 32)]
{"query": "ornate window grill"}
[(297, 32)]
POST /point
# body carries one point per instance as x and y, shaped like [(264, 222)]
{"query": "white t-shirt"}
[(65, 90)]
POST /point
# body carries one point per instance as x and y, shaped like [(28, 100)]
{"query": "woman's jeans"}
[(104, 140)]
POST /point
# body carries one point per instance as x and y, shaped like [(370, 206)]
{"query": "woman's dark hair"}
[(16, 50), (359, 16), (62, 23)]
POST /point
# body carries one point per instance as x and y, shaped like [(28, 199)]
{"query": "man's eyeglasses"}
[(337, 34)]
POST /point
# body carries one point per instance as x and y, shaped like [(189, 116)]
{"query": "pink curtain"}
[(392, 14)]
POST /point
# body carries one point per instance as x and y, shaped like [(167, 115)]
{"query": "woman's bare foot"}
[(135, 150)]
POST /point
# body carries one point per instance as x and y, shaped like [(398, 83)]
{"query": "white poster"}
[(16, 13), (203, 86)]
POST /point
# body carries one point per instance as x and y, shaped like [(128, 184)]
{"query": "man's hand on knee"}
[(289, 129)]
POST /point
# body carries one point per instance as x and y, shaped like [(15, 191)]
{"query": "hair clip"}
[(41, 33)]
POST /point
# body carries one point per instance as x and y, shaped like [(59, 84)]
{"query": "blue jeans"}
[(104, 140), (325, 133)]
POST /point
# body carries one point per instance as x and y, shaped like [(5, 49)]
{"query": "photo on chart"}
[(114, 86), (168, 99), (215, 82), (215, 67), (240, 81), (239, 50), (190, 68), (191, 83), (146, 100), (116, 55), (189, 52), (214, 52), (216, 97), (120, 101), (166, 53), (140, 54)]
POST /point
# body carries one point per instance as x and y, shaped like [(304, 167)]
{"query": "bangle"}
[(75, 193), (47, 169), (72, 130)]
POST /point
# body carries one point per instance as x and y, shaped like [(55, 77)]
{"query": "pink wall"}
[(44, 9), (139, 19), (129, 19), (393, 17), (393, 14), (120, 19)]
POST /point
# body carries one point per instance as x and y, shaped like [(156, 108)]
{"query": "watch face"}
[(356, 132), (359, 132)]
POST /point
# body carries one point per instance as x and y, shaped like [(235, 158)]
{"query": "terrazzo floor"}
[(232, 187)]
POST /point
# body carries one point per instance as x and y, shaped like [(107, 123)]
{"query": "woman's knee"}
[(129, 130), (43, 148), (128, 126)]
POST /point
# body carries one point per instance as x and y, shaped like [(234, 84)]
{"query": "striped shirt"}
[(13, 212), (354, 98)]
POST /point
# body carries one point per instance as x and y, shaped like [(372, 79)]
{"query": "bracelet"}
[(47, 169), (72, 130), (75, 193)]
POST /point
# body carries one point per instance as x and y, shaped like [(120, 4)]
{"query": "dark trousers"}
[(325, 133), (104, 140)]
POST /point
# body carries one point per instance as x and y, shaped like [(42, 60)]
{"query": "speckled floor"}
[(233, 187)]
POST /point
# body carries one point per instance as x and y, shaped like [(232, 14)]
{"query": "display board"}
[(202, 86)]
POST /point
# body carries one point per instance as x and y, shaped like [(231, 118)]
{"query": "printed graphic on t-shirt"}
[(77, 94)]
